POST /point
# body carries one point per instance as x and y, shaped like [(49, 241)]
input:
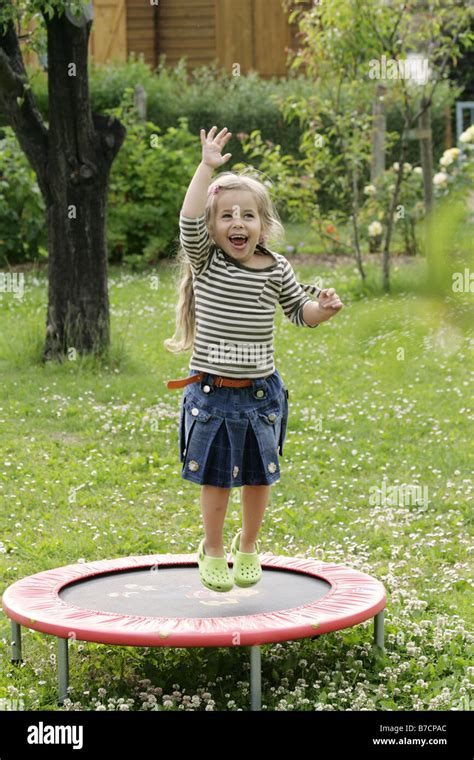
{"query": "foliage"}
[(449, 227), (292, 191), (410, 209), (22, 226), (147, 185), (457, 167), (347, 44), (208, 96)]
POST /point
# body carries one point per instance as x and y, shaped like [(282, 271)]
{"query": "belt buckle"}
[(218, 381)]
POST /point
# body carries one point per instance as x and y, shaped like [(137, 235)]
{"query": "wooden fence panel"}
[(272, 34), (141, 29), (108, 38), (186, 28), (235, 34)]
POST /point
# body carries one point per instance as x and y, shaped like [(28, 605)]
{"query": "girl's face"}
[(236, 226)]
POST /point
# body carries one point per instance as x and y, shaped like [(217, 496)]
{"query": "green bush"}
[(147, 186), (206, 96), (22, 222), (410, 207), (293, 192)]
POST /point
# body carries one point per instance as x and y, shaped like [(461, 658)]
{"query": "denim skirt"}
[(233, 436)]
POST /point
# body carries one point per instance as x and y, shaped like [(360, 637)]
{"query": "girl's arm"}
[(195, 199)]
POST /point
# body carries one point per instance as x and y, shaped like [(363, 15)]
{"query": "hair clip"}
[(215, 189)]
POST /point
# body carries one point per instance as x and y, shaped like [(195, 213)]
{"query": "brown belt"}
[(218, 381)]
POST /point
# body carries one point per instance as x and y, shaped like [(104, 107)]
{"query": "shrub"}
[(409, 211), (147, 185), (293, 192), (23, 232)]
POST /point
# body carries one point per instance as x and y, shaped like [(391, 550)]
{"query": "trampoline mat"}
[(177, 592)]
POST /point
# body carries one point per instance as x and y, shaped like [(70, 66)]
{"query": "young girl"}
[(235, 405)]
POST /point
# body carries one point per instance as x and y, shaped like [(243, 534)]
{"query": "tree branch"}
[(19, 106)]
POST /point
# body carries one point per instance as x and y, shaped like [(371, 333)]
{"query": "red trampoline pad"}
[(159, 600)]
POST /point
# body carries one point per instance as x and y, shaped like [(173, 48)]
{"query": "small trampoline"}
[(158, 600)]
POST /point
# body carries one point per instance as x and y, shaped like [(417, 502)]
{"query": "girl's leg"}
[(254, 503), (214, 502)]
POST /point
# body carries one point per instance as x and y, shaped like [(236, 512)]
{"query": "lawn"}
[(90, 470)]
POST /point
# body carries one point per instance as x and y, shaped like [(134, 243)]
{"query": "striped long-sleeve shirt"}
[(235, 305)]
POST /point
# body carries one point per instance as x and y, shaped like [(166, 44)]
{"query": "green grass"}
[(90, 470)]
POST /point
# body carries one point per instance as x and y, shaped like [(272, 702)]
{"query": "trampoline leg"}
[(255, 678), (378, 629), (16, 641), (63, 669)]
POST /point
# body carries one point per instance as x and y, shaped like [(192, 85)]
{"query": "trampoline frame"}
[(354, 597)]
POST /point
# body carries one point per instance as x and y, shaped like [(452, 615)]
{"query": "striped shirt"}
[(235, 305)]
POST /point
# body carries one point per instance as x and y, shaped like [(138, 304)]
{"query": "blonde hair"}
[(272, 229)]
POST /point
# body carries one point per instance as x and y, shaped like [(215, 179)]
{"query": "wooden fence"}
[(250, 34)]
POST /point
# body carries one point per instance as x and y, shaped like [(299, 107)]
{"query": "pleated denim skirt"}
[(233, 436)]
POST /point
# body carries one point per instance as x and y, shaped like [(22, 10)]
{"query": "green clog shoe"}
[(214, 571), (246, 570)]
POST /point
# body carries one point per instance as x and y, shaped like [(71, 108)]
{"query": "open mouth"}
[(238, 241)]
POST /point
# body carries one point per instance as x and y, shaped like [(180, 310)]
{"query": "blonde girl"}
[(234, 407)]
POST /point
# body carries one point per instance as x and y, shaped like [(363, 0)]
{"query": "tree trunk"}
[(78, 304), (391, 214), (377, 164), (355, 215), (72, 161), (81, 150)]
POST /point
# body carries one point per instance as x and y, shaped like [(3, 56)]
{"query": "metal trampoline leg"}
[(255, 678), (63, 669), (379, 629), (16, 641)]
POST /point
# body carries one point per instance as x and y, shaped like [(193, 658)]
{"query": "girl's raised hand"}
[(212, 146)]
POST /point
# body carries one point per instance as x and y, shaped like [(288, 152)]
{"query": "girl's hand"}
[(329, 303), (212, 146)]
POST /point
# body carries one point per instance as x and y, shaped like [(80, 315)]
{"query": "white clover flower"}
[(468, 135), (370, 190), (440, 179), (418, 170), (375, 229), (396, 166), (407, 167)]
